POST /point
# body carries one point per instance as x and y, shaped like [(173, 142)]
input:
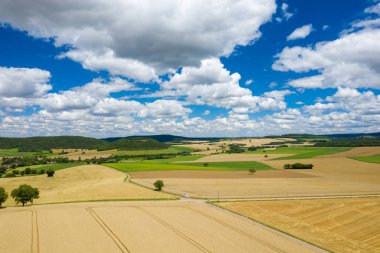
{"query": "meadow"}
[(9, 152), (158, 166), (368, 159)]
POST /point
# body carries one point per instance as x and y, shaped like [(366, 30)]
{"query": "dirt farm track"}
[(166, 226)]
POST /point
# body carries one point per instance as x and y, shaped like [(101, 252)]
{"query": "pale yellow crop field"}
[(82, 183), (339, 225), (137, 227)]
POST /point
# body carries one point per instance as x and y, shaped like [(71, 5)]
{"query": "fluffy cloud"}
[(301, 32), (285, 14), (23, 82), (353, 61), (141, 39), (213, 85), (373, 9)]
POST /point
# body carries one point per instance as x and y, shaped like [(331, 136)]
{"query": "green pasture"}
[(150, 166), (9, 152), (368, 159)]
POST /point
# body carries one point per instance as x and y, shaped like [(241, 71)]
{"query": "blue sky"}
[(193, 68)]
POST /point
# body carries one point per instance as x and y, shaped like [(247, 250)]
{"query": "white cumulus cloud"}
[(141, 39), (301, 32)]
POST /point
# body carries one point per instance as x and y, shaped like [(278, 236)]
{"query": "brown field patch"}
[(75, 154), (340, 225), (207, 174), (88, 182), (139, 227)]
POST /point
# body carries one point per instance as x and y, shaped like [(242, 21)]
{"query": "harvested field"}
[(88, 182), (248, 142), (330, 176), (216, 174), (137, 227), (339, 225)]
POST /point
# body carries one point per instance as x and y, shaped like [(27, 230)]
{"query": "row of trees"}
[(23, 194), (22, 161), (298, 166), (28, 171)]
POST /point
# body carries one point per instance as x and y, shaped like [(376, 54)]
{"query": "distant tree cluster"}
[(235, 148), (296, 166)]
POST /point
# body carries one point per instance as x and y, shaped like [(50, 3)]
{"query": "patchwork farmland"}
[(107, 202)]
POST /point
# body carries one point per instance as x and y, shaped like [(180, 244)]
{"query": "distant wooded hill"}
[(34, 144), (163, 138)]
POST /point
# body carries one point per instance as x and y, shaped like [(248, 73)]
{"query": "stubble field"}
[(339, 225), (82, 183), (137, 227)]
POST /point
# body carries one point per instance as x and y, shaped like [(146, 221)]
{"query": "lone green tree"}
[(3, 196), (159, 184), (25, 193), (252, 171)]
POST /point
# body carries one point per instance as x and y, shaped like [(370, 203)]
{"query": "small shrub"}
[(159, 184), (205, 165), (28, 171), (252, 171), (3, 196), (298, 166), (50, 172), (34, 171), (42, 171)]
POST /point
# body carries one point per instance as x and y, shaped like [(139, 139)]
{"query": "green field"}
[(368, 159), (300, 152), (156, 166), (14, 152), (58, 166), (170, 150), (233, 165)]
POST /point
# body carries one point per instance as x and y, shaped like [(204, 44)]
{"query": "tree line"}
[(36, 144)]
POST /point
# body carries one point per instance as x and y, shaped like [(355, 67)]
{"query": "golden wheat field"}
[(137, 227), (339, 225), (82, 183)]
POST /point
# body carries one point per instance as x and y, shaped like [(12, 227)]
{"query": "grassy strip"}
[(301, 152), (10, 152), (214, 203), (233, 165), (222, 166), (368, 159)]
